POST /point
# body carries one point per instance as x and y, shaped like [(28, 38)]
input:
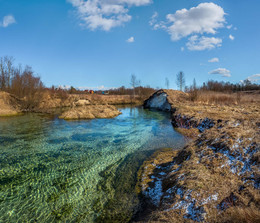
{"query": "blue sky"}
[(94, 43)]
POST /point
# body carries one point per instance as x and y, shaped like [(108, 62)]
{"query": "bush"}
[(27, 87)]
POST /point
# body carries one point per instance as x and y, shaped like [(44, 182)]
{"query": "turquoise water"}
[(53, 170)]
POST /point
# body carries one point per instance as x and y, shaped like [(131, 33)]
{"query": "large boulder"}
[(164, 100)]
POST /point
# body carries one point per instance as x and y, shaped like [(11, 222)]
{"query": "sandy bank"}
[(9, 105), (91, 112)]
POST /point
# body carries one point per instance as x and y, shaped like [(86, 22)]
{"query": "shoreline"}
[(214, 177), (73, 107)]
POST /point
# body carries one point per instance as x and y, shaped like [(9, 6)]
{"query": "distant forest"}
[(24, 83)]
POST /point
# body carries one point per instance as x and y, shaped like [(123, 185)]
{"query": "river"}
[(53, 170)]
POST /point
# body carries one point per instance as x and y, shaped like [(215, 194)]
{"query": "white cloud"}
[(213, 60), (203, 43), (231, 37), (130, 40), (205, 18), (229, 26), (153, 19), (222, 71), (182, 49), (254, 78), (105, 14), (7, 21)]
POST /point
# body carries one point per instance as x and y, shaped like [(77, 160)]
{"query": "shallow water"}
[(77, 171)]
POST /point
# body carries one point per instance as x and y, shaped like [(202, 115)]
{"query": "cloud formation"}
[(205, 18), (222, 71), (153, 19), (254, 78), (105, 14), (130, 40), (213, 60), (203, 43), (231, 37), (229, 26), (7, 21)]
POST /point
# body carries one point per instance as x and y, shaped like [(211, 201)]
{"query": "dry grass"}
[(174, 96), (113, 99), (190, 133), (199, 173), (145, 171), (218, 98), (231, 215), (239, 215), (53, 101), (212, 165), (90, 112), (9, 105), (48, 101)]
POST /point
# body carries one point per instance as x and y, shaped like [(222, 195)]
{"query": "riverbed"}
[(77, 171)]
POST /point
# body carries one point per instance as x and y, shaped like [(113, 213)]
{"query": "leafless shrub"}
[(193, 94), (62, 94), (27, 87)]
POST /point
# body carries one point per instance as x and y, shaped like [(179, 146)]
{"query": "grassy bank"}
[(216, 178), (48, 102)]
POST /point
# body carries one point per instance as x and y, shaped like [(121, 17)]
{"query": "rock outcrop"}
[(91, 112), (164, 100)]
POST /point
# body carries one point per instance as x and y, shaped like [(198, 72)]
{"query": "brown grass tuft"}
[(239, 215), (219, 98)]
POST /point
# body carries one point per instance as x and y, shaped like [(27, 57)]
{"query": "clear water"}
[(53, 170)]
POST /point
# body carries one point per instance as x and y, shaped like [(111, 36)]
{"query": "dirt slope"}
[(9, 104)]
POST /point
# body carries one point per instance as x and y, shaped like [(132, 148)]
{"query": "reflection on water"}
[(82, 171)]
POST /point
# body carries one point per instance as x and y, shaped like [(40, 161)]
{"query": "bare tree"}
[(167, 83), (194, 85), (193, 91), (10, 70), (139, 87), (2, 74), (6, 72), (133, 83), (180, 80)]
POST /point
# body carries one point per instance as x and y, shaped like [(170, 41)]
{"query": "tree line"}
[(136, 88), (26, 85), (211, 85)]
